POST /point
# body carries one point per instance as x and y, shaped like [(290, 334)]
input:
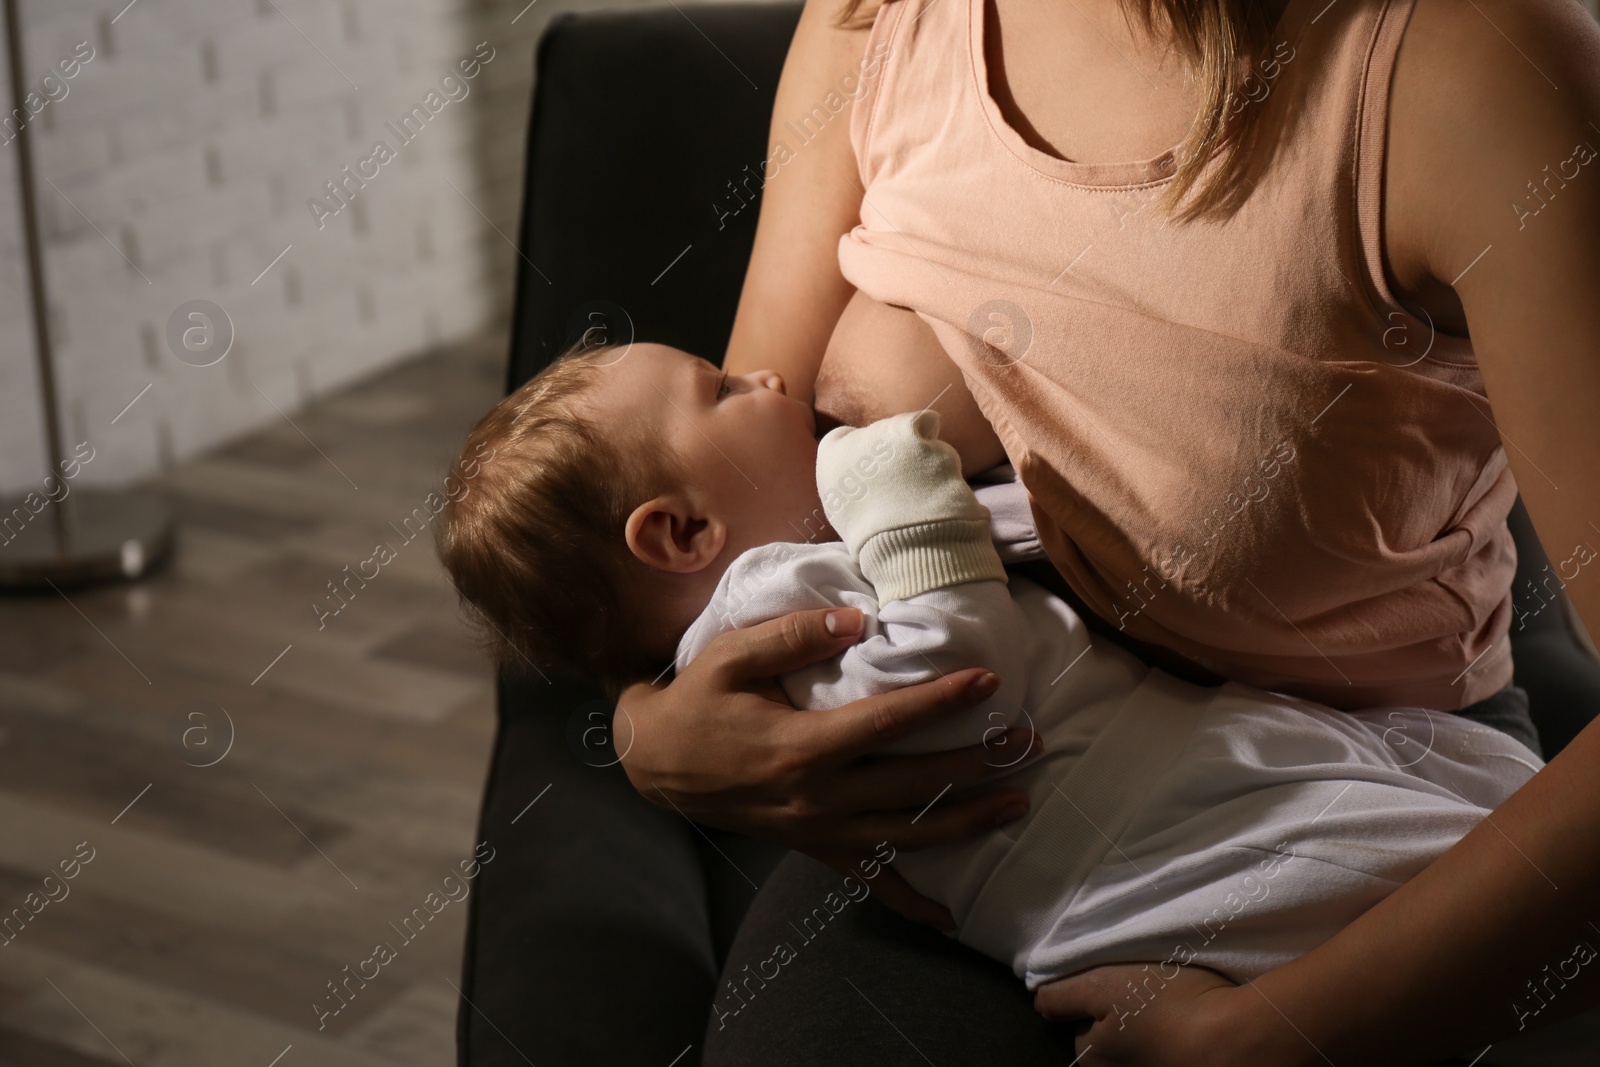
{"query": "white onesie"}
[(1229, 827)]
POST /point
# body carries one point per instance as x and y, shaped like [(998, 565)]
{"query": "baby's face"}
[(746, 446)]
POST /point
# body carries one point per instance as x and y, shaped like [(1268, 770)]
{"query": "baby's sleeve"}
[(927, 636), (894, 493), (906, 641), (915, 531)]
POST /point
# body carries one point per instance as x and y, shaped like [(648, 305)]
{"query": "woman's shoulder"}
[(1484, 94), (1480, 52)]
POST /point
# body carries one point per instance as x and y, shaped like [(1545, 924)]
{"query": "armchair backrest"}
[(648, 131)]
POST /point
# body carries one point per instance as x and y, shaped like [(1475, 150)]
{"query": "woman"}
[(1235, 377)]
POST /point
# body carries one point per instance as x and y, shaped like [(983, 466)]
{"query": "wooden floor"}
[(221, 900)]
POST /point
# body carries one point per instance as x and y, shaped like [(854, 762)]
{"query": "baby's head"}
[(612, 491)]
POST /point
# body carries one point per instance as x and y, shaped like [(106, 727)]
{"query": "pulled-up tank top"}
[(1238, 444)]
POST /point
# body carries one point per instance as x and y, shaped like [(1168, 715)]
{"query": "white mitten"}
[(894, 493)]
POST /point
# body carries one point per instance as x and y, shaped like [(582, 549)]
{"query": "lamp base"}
[(97, 536)]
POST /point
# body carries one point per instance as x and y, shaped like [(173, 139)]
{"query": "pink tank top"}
[(1238, 444)]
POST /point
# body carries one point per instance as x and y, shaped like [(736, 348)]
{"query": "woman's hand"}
[(721, 745), (1153, 1015)]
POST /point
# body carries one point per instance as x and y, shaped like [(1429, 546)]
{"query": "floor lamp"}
[(61, 534)]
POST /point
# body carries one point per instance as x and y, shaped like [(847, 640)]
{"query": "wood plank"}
[(417, 1028), (444, 648), (264, 976), (109, 769), (154, 1026), (276, 729), (26, 1051), (234, 648), (262, 806), (310, 907)]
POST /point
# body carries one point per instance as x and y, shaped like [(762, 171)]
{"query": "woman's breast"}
[(882, 360)]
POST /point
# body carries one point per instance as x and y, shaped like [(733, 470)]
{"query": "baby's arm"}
[(894, 493)]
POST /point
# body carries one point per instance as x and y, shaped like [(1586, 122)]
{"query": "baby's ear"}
[(666, 534)]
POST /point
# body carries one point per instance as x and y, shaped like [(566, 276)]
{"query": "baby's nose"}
[(771, 379)]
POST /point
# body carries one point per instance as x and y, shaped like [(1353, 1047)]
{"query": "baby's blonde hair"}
[(536, 545)]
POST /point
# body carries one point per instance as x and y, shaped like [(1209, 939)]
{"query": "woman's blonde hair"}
[(1222, 40)]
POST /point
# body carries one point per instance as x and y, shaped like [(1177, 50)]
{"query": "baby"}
[(642, 502)]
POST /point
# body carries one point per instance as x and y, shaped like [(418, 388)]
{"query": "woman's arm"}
[(793, 292), (1486, 95)]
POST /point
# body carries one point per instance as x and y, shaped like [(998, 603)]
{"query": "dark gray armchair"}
[(598, 931)]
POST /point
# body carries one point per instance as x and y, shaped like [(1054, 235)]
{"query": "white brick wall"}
[(192, 141)]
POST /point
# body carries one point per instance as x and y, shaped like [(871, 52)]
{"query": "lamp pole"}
[(90, 535)]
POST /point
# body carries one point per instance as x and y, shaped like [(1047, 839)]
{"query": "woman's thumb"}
[(1080, 997), (794, 641)]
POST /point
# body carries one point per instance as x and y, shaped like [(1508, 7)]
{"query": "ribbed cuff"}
[(914, 559)]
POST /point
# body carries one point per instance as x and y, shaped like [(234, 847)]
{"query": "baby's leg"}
[(1477, 763), (1281, 823)]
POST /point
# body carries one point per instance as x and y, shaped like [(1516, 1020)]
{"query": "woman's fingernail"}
[(984, 685), (843, 622), (1014, 810), (1032, 741)]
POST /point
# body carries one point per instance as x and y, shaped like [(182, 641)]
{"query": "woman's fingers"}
[(896, 893), (1083, 996), (893, 891), (895, 782), (864, 726), (1143, 1014), (785, 644), (916, 802)]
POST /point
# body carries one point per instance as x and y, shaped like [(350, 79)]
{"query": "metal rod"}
[(35, 250)]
